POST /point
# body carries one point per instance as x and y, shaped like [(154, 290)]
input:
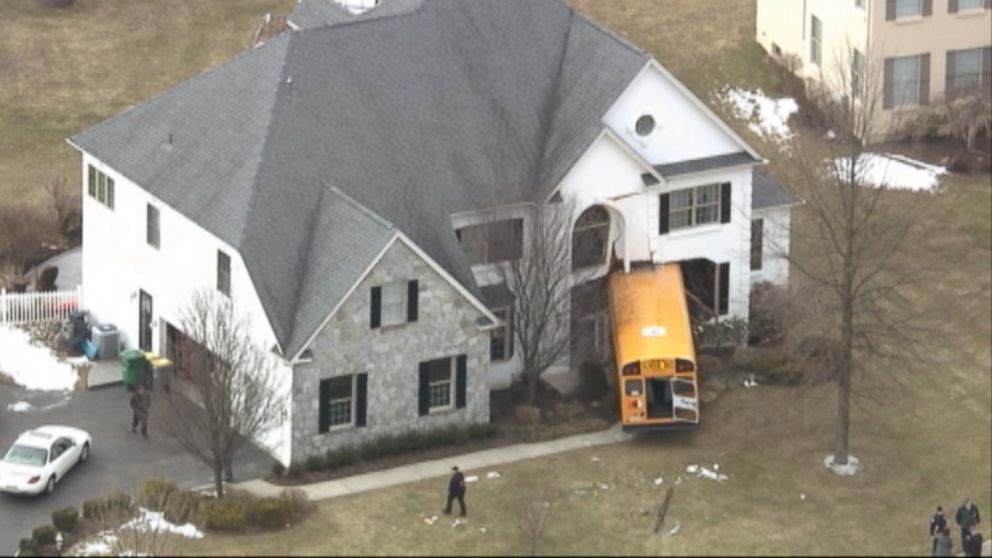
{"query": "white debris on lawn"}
[(675, 529), (430, 520), (19, 407), (595, 458), (33, 365), (852, 467), (802, 496), (492, 475), (894, 171), (458, 522), (658, 481), (482, 530), (766, 116), (750, 382), (603, 486), (472, 478), (704, 472), (148, 520)]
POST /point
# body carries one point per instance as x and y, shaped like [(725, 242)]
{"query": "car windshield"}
[(26, 455)]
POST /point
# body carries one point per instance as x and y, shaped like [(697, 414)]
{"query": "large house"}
[(330, 182), (906, 55)]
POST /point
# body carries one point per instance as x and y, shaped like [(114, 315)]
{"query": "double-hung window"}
[(903, 81), (100, 187), (695, 206), (494, 242), (340, 395), (967, 70), (908, 8), (152, 232), (223, 273), (857, 73), (501, 338), (816, 41), (393, 303), (440, 384)]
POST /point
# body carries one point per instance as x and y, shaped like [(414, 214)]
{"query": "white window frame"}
[(350, 401), (478, 239), (504, 313), (395, 293), (816, 40), (901, 9), (954, 86), (979, 5), (694, 208), (100, 187), (898, 100), (598, 228), (432, 385)]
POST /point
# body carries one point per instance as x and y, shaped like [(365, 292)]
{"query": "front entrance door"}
[(145, 321)]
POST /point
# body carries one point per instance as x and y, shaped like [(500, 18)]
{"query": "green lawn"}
[(930, 443), (64, 70)]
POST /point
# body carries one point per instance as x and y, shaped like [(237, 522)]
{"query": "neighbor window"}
[(909, 8), (757, 243), (501, 338), (590, 238), (857, 73), (970, 5), (439, 384), (152, 231), (393, 304), (903, 81), (816, 41), (100, 187), (967, 69), (223, 273), (494, 242), (338, 394), (695, 206)]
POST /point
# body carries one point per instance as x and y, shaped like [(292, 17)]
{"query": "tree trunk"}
[(532, 388), (844, 388), (218, 479)]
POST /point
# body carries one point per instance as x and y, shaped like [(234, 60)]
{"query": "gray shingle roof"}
[(706, 164), (454, 106), (767, 192)]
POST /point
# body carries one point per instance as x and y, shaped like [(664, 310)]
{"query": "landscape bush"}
[(27, 547), (224, 514), (592, 381), (65, 519), (270, 512), (299, 502), (97, 508), (44, 535), (155, 493), (182, 506)]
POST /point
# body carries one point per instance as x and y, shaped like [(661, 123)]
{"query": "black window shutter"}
[(927, 8), (376, 318), (890, 10), (987, 61), (423, 393), (324, 419), (361, 399), (724, 303), (510, 334), (952, 6), (925, 78), (92, 182), (887, 85), (725, 202), (461, 378), (949, 74), (412, 294), (663, 214), (988, 4)]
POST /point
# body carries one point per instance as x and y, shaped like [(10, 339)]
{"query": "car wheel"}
[(85, 453), (50, 487)]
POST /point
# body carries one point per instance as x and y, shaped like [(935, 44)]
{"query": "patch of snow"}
[(492, 475), (692, 469), (33, 365), (472, 478), (101, 545), (852, 467), (19, 407), (766, 116), (155, 521), (675, 529), (893, 171)]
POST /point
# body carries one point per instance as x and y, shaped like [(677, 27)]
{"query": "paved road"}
[(119, 462)]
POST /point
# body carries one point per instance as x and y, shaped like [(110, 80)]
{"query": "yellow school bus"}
[(657, 385)]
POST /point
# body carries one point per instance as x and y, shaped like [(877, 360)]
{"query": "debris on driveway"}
[(19, 407)]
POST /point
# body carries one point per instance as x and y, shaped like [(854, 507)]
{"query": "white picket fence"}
[(27, 308)]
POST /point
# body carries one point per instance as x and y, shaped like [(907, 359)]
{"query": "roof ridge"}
[(362, 208), (180, 85), (607, 31)]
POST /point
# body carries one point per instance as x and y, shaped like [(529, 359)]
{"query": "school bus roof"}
[(649, 315)]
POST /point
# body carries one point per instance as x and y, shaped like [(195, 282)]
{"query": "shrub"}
[(527, 415), (278, 469), (315, 463), (155, 493), (27, 547), (295, 471), (65, 519), (94, 507), (43, 535), (182, 506), (299, 502), (224, 514), (592, 381), (270, 512)]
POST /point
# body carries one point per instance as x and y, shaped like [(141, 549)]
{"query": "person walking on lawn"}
[(456, 490), (141, 402), (973, 544), (942, 542), (937, 524), (967, 518)]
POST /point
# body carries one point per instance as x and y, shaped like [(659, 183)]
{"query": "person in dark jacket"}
[(141, 402), (973, 543), (456, 491), (967, 518), (942, 542), (937, 524)]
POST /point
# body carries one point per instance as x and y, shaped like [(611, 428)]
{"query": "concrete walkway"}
[(440, 467)]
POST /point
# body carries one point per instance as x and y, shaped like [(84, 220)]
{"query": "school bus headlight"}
[(683, 365)]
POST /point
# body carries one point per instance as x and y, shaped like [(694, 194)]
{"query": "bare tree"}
[(67, 203), (27, 228), (540, 283), (535, 501), (231, 395), (851, 242)]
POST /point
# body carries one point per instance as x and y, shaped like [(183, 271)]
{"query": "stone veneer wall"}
[(391, 356)]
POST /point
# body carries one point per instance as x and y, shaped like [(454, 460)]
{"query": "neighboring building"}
[(913, 51), (331, 181)]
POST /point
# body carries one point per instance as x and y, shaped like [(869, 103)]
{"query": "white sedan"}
[(41, 457)]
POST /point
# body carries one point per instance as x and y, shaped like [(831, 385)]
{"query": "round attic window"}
[(644, 125)]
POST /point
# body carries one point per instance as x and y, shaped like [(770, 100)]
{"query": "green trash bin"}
[(132, 368)]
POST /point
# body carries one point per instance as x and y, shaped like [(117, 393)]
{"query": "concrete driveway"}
[(119, 461)]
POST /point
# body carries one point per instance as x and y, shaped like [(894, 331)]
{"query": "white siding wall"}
[(117, 262), (774, 267)]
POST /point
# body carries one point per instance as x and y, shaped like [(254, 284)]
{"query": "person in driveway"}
[(141, 402)]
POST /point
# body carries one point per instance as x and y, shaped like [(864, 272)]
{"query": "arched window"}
[(590, 237)]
